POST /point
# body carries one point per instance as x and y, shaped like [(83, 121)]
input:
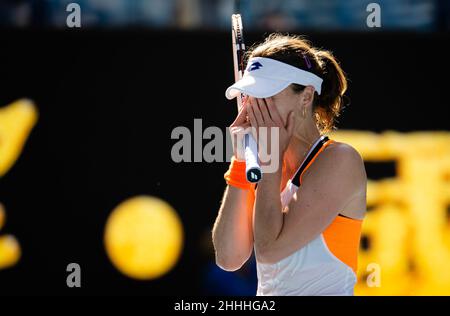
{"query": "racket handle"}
[(252, 169)]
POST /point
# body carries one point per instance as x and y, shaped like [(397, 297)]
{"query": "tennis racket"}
[(252, 168)]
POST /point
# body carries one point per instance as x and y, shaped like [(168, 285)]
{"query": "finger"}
[(257, 112), (252, 117), (241, 118), (273, 111), (264, 111), (253, 121), (240, 128)]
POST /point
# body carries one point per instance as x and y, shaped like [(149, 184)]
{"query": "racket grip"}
[(252, 169)]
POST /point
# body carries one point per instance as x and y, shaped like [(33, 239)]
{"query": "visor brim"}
[(256, 87)]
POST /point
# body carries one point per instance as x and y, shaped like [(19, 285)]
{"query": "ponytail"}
[(328, 105)]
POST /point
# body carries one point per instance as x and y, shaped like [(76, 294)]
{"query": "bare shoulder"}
[(338, 152), (343, 162), (339, 170)]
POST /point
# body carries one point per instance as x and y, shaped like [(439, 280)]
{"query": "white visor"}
[(265, 77)]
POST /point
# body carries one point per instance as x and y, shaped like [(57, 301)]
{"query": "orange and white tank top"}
[(325, 266)]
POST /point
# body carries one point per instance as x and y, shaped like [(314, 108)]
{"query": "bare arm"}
[(232, 232), (233, 229)]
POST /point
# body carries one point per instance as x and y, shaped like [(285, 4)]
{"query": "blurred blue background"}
[(317, 15)]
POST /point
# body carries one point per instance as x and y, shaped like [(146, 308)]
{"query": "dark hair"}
[(298, 52)]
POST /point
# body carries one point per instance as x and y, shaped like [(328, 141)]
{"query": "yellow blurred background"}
[(406, 232)]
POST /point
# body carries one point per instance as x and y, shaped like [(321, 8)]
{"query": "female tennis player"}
[(304, 224)]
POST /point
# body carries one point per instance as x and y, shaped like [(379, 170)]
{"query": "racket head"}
[(238, 38), (238, 51)]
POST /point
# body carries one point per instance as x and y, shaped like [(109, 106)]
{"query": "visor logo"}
[(254, 66)]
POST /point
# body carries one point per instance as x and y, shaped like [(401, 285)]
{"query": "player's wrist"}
[(236, 176), (239, 156)]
